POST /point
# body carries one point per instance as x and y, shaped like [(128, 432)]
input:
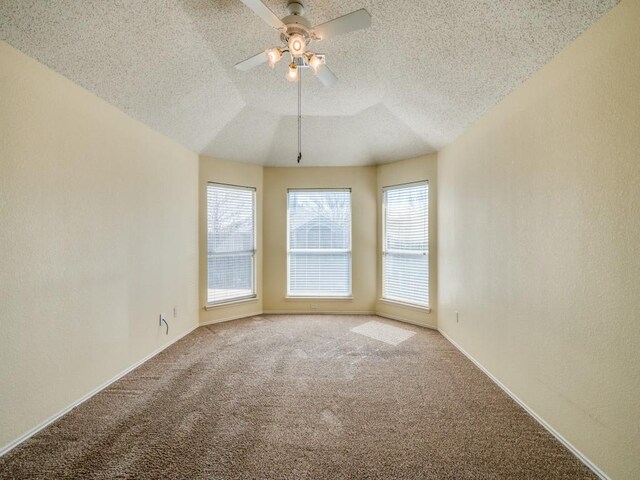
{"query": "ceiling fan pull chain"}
[(299, 116)]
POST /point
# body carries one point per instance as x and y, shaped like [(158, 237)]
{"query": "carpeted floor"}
[(295, 397)]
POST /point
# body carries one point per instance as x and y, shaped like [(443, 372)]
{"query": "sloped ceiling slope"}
[(407, 86)]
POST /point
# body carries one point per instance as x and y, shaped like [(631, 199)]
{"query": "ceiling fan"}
[(296, 33)]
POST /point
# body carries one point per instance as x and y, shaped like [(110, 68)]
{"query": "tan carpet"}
[(297, 397)]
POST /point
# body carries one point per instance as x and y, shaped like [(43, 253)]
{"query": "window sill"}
[(290, 298), (406, 305), (213, 306)]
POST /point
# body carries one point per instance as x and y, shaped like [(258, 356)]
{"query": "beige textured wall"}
[(232, 173), (98, 235), (362, 181), (539, 242), (407, 171)]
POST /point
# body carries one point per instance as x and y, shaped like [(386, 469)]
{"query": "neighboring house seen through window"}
[(319, 243), (230, 243), (405, 254)]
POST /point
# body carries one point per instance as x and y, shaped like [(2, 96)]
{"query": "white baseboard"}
[(232, 317), (317, 312), (404, 320), (11, 445), (535, 416)]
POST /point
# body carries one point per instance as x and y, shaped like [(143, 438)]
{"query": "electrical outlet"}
[(175, 312), (457, 317), (314, 306)]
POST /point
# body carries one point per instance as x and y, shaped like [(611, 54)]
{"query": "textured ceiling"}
[(408, 85)]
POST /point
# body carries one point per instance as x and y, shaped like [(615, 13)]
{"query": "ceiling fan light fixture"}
[(314, 61), (297, 45), (292, 74), (273, 56)]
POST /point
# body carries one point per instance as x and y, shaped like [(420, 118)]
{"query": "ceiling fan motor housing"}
[(296, 22)]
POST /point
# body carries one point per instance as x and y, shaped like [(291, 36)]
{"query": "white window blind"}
[(319, 243), (405, 264), (230, 243)]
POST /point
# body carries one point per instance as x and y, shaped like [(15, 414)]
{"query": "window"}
[(319, 243), (230, 243), (405, 251)]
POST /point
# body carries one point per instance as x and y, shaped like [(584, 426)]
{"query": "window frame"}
[(385, 251), (253, 295), (349, 251)]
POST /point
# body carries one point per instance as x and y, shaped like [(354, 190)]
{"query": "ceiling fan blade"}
[(345, 24), (326, 76), (264, 13), (251, 62)]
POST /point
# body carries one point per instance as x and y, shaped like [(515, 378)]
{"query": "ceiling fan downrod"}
[(295, 7)]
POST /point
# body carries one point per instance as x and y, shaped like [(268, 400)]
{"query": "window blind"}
[(405, 272), (319, 243), (230, 243)]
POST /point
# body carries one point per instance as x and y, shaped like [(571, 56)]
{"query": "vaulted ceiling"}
[(408, 85)]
